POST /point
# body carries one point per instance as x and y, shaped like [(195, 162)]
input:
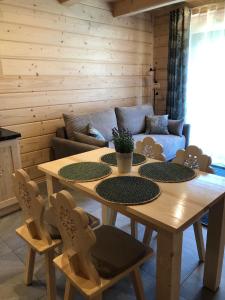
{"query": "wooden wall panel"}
[(56, 59), (17, 84), (161, 37), (21, 33), (84, 12)]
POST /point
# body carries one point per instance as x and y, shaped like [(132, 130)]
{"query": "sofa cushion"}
[(86, 139), (133, 118), (176, 126), (171, 143), (102, 121), (157, 124)]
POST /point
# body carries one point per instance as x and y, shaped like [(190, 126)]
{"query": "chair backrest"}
[(32, 205), (150, 148), (77, 236), (194, 158)]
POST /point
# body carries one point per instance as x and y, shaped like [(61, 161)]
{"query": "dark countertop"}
[(6, 134)]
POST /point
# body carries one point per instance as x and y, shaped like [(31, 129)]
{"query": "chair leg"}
[(134, 228), (112, 217), (30, 260), (199, 240), (69, 291), (50, 275), (147, 235), (138, 286)]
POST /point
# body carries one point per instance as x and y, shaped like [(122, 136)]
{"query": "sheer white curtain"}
[(206, 83)]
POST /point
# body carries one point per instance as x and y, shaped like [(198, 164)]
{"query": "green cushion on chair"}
[(115, 251)]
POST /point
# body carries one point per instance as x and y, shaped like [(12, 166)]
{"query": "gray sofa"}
[(132, 118)]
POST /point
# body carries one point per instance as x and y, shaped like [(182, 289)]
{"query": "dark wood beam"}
[(132, 7)]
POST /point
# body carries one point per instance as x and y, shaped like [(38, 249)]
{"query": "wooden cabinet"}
[(9, 162)]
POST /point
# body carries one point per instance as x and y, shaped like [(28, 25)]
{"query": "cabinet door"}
[(6, 170)]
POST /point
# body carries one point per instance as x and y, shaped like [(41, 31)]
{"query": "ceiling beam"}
[(132, 7), (69, 2)]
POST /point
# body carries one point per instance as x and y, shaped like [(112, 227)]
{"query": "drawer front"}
[(6, 170)]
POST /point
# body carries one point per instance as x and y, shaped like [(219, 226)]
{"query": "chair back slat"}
[(77, 236), (32, 205), (150, 148), (194, 158)]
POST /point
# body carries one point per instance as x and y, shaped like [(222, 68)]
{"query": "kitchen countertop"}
[(6, 134)]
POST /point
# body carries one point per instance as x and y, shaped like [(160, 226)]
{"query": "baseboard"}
[(9, 209)]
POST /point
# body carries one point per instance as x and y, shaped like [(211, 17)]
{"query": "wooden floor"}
[(12, 257)]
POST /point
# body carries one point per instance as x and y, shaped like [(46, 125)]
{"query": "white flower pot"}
[(124, 162)]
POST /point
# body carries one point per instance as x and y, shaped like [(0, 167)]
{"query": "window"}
[(206, 83)]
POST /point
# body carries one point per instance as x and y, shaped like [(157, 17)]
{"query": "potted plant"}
[(124, 145)]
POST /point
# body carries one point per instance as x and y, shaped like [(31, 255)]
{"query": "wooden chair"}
[(94, 260), (34, 231), (151, 149), (193, 157)]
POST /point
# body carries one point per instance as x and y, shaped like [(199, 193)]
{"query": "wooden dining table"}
[(178, 206)]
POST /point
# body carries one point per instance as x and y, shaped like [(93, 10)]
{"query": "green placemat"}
[(128, 190), (85, 171), (167, 172), (110, 159)]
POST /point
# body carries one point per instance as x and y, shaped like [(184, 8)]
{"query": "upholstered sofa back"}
[(102, 121), (133, 118)]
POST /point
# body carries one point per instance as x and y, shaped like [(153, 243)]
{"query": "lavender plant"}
[(123, 140)]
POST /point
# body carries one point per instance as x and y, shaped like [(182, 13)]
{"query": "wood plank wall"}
[(56, 59), (161, 37)]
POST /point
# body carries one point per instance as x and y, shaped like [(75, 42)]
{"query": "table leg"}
[(169, 250), (106, 215), (215, 246)]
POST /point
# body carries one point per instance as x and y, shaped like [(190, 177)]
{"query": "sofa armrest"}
[(63, 147), (186, 133)]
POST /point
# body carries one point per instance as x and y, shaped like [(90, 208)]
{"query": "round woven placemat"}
[(110, 159), (85, 171), (167, 172), (128, 190)]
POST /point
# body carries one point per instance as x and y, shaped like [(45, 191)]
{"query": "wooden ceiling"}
[(132, 7)]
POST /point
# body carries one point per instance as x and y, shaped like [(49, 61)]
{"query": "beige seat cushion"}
[(115, 251)]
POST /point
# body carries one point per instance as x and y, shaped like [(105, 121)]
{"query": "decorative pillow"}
[(86, 139), (75, 124), (95, 133), (176, 127), (157, 124)]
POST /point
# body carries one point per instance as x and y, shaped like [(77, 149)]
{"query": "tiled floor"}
[(12, 257)]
